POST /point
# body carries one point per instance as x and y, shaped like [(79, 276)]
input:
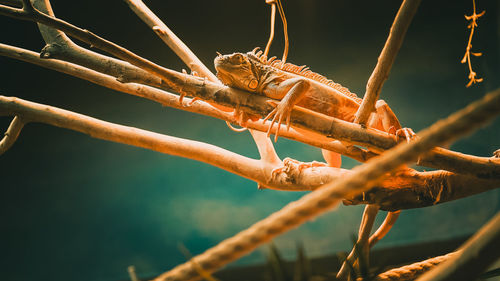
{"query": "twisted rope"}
[(362, 178), (412, 271)]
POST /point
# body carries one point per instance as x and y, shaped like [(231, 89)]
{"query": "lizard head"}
[(237, 70)]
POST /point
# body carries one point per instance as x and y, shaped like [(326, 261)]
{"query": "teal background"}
[(76, 207)]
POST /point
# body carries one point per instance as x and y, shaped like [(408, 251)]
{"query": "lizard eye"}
[(238, 58), (253, 84)]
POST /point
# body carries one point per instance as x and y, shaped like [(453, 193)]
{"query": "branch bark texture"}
[(327, 197)]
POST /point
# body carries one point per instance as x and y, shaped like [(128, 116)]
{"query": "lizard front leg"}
[(384, 119), (291, 91)]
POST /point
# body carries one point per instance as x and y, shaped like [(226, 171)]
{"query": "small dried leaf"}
[(476, 54)]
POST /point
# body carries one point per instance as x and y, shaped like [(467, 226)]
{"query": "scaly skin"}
[(253, 73)]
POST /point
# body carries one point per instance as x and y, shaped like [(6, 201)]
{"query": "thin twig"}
[(386, 59), (180, 49), (273, 21), (389, 221), (362, 245), (172, 78), (12, 3), (10, 136), (327, 197)]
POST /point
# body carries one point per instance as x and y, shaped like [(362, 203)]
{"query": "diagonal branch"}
[(28, 12), (182, 51), (386, 59)]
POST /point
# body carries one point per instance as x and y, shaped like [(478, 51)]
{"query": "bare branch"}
[(476, 255), (170, 77), (327, 197), (225, 96), (182, 51), (386, 59), (362, 246), (122, 134), (318, 126), (171, 100), (12, 3), (11, 134), (440, 187), (405, 189)]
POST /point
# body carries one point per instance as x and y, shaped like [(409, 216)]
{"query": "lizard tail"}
[(239, 130)]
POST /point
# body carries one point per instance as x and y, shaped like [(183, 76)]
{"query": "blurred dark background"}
[(73, 206)]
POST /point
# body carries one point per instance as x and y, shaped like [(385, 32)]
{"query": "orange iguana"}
[(297, 85)]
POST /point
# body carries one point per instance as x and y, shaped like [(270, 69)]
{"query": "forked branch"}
[(363, 178), (319, 125), (214, 92), (404, 189), (180, 49)]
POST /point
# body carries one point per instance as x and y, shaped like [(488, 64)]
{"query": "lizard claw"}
[(242, 118), (181, 97), (407, 133), (279, 114), (292, 166), (496, 154)]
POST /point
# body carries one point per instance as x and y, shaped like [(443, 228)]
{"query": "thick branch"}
[(33, 112), (318, 126), (315, 203), (171, 100), (386, 59), (206, 90), (426, 189), (405, 189)]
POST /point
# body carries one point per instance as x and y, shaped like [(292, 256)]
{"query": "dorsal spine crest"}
[(302, 71)]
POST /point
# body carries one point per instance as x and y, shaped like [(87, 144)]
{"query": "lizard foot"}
[(496, 154), (291, 165), (242, 119), (181, 97), (280, 113), (405, 133)]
